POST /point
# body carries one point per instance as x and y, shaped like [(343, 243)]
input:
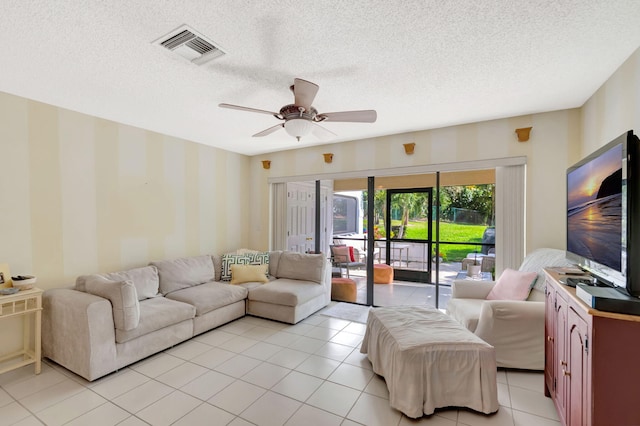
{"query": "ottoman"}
[(343, 289), (430, 361), (382, 274)]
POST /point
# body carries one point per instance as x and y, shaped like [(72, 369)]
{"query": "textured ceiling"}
[(420, 64)]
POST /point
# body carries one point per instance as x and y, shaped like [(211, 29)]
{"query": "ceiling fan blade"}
[(322, 133), (304, 92), (241, 108), (269, 130), (364, 116)]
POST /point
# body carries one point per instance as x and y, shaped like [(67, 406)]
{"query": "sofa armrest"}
[(469, 289), (516, 330), (328, 270), (78, 332)]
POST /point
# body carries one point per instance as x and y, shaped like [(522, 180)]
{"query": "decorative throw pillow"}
[(340, 254), (123, 298), (512, 285), (352, 256), (232, 259), (249, 273), (259, 258)]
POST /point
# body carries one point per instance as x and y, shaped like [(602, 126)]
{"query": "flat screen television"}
[(603, 201)]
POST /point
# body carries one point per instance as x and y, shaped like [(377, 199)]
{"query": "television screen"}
[(595, 226)]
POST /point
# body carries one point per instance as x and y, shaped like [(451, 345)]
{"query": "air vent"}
[(190, 45)]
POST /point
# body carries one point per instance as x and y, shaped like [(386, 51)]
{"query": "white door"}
[(301, 214), (326, 218)]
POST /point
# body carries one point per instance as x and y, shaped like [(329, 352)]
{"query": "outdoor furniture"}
[(343, 289), (340, 258), (430, 361), (402, 249), (359, 244), (484, 276), (487, 262), (382, 274)]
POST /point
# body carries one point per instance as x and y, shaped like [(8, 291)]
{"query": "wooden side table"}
[(28, 304)]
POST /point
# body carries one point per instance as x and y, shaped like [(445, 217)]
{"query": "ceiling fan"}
[(300, 118)]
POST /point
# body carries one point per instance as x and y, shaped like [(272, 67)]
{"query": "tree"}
[(473, 197), (379, 204)]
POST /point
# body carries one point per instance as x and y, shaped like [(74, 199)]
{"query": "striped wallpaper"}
[(81, 194), (554, 137), (558, 139)]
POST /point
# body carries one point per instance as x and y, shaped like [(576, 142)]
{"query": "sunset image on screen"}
[(594, 209), (584, 182)]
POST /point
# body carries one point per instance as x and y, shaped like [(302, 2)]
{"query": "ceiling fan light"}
[(298, 127)]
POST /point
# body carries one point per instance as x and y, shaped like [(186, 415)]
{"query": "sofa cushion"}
[(232, 259), (209, 296), (145, 280), (274, 261), (301, 266), (123, 298), (217, 267), (465, 311), (156, 314), (184, 272), (513, 285), (249, 273), (249, 285), (288, 292)]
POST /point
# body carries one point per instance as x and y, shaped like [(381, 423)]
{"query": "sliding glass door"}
[(426, 227), (409, 233)]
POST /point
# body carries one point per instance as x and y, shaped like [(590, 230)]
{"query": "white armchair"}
[(514, 328)]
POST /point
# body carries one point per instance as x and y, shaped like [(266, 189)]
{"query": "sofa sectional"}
[(108, 321)]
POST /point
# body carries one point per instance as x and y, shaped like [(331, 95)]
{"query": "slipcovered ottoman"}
[(429, 361), (382, 274), (343, 289)]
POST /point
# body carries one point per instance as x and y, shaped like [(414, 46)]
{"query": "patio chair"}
[(341, 259)]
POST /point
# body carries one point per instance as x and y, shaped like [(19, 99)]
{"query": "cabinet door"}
[(561, 362), (578, 373), (549, 349)]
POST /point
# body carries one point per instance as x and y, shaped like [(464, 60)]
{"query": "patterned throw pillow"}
[(260, 258), (232, 259)]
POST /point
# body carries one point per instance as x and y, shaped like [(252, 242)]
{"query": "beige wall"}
[(82, 194), (613, 109), (555, 138)]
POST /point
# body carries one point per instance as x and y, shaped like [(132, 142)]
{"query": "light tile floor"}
[(251, 371)]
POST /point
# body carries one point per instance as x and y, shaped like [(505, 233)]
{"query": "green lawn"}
[(449, 232)]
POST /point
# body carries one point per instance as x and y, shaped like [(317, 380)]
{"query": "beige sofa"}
[(111, 320)]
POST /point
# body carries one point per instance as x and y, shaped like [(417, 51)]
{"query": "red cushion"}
[(351, 255)]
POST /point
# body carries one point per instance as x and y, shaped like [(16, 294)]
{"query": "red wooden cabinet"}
[(592, 360), (549, 342)]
